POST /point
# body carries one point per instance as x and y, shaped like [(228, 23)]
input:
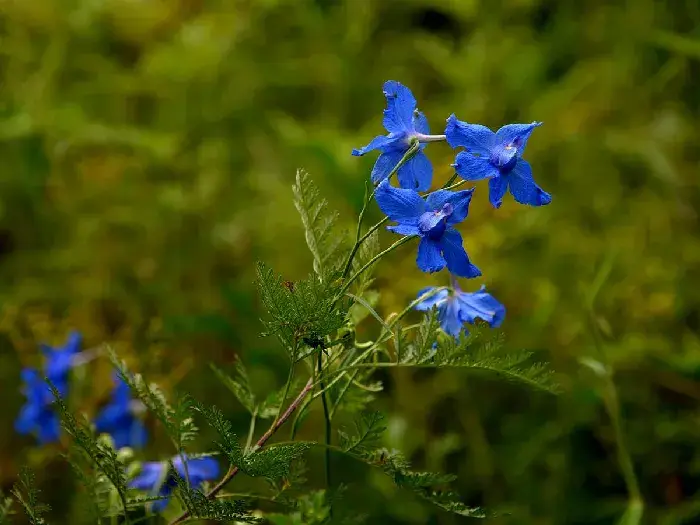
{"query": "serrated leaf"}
[(27, 494), (238, 385), (303, 315), (176, 418), (229, 443), (318, 224), (274, 461), (199, 506), (368, 431)]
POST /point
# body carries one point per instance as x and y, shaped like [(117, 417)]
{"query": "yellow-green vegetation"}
[(148, 150)]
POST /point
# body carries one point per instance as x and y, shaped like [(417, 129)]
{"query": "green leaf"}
[(229, 443), (274, 461), (238, 385), (368, 431), (5, 508), (199, 506), (98, 451), (27, 494), (479, 353), (177, 418), (301, 315), (319, 225)]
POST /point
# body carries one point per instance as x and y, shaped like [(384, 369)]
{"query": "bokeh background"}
[(148, 149)]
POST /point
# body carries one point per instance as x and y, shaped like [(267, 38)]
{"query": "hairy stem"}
[(233, 471)]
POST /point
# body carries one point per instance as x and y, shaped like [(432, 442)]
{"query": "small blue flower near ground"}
[(457, 308), (433, 219), (497, 157), (37, 414), (406, 125), (120, 419), (156, 478), (60, 360)]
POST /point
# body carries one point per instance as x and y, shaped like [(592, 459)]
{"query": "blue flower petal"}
[(398, 115), (205, 468), (420, 123), (457, 260), (165, 492), (404, 229), (151, 476), (385, 163), (474, 137), (381, 142), (26, 420), (516, 135), (480, 305), (470, 167), (448, 315), (417, 173), (523, 186), (429, 258), (400, 205), (49, 429), (458, 199), (433, 300), (497, 189), (111, 417)]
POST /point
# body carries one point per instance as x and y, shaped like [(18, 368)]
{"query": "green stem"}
[(359, 239), (327, 418), (373, 260)]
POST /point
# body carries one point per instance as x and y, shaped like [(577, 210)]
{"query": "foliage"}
[(148, 164), (27, 494)]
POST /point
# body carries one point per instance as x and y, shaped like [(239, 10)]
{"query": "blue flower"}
[(119, 418), (405, 125), (433, 220), (37, 414), (60, 360), (458, 307), (156, 478), (497, 157)]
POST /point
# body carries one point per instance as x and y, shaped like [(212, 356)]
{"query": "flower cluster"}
[(433, 217), (37, 415), (119, 418)]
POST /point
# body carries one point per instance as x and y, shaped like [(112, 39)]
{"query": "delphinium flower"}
[(60, 360), (497, 157), (157, 479), (433, 219), (37, 415), (456, 307), (406, 126), (119, 418)]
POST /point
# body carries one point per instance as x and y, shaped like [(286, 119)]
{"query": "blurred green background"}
[(148, 149)]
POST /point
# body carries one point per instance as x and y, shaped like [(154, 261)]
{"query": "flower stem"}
[(359, 239), (373, 260), (233, 471), (327, 418)]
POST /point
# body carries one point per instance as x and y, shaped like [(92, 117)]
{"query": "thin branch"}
[(233, 471)]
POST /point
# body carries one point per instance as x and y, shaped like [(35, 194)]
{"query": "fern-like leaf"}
[(176, 418), (228, 443), (27, 494), (98, 451), (5, 508), (301, 315), (238, 384), (368, 430), (319, 225), (199, 506)]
